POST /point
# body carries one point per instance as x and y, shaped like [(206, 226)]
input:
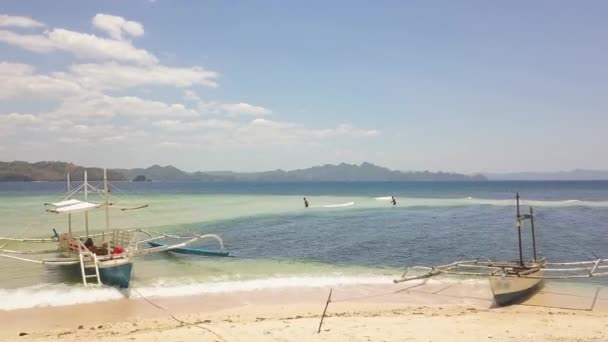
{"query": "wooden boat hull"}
[(512, 289)]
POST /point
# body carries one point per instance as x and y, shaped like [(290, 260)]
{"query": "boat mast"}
[(106, 199), (521, 258), (69, 215), (533, 233), (86, 197)]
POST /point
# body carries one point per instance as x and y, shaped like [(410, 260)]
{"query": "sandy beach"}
[(432, 311)]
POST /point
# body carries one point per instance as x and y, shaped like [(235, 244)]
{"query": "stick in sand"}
[(325, 310)]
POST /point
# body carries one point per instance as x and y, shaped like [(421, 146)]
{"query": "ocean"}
[(350, 234)]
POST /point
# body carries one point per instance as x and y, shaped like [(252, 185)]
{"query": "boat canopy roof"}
[(72, 206), (65, 203)]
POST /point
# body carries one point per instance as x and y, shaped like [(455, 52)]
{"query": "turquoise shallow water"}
[(277, 242)]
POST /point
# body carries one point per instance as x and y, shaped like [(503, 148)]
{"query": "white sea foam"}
[(54, 295), (339, 205), (362, 202), (61, 294), (385, 198), (467, 201)]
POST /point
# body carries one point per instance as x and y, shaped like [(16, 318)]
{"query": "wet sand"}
[(423, 311)]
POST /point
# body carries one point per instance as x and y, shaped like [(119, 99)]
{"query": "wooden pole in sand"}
[(325, 310)]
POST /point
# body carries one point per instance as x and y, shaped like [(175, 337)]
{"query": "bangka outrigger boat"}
[(107, 257), (513, 282)]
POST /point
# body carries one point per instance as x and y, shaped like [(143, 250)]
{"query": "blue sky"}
[(210, 85)]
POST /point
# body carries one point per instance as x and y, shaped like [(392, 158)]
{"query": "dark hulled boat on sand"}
[(513, 282)]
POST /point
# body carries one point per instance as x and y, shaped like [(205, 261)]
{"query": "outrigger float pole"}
[(533, 233), (521, 257)]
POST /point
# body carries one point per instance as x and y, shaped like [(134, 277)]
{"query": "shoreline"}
[(417, 311)]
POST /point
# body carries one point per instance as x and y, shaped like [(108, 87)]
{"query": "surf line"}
[(339, 205)]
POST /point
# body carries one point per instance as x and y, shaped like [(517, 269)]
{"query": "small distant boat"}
[(513, 282)]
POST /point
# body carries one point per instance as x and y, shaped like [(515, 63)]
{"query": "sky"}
[(460, 86)]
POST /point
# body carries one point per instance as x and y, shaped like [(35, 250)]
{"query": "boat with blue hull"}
[(105, 257), (116, 274)]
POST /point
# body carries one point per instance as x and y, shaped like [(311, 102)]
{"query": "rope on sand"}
[(175, 318)]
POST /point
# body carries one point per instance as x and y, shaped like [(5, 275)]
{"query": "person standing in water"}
[(305, 203), (393, 200)]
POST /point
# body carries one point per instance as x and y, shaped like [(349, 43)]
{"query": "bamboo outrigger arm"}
[(164, 248), (46, 251), (62, 261), (595, 269), (35, 240)]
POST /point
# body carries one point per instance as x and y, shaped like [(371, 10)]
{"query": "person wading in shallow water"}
[(305, 203), (393, 200)]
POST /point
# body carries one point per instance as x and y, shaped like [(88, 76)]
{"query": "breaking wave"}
[(466, 201), (45, 295)]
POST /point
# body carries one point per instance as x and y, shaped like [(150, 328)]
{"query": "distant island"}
[(51, 171), (365, 172)]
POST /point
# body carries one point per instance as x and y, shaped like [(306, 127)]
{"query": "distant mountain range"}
[(366, 172), (51, 171), (577, 174)]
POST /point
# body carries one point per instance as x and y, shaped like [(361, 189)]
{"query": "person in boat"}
[(90, 245), (393, 200), (305, 203)]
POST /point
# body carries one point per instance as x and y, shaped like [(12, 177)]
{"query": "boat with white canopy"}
[(99, 258)]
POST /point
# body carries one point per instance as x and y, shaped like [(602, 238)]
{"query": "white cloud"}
[(229, 109), (90, 46), (82, 45), (243, 109), (71, 140), (20, 80), (85, 113), (32, 42), (170, 144), (119, 76), (18, 118), (348, 130), (15, 69), (190, 95), (17, 21), (259, 122), (279, 132), (181, 126), (113, 139), (104, 106), (9, 123), (115, 26)]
